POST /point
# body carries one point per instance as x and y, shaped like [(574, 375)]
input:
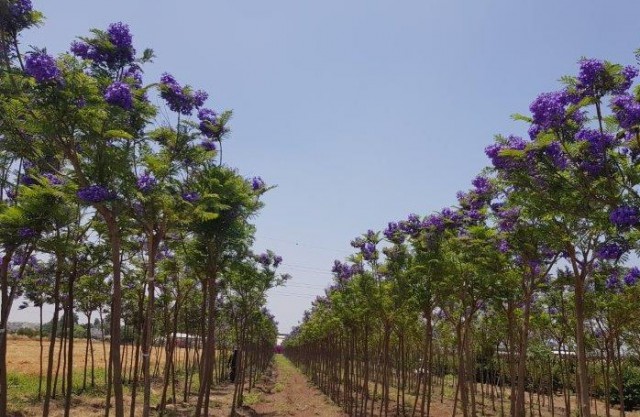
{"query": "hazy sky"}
[(359, 111)]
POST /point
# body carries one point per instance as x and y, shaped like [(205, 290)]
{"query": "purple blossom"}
[(612, 282), (20, 15), (343, 271), (503, 246), (208, 120), (507, 218), (548, 110), (474, 215), (257, 184), (632, 277), (628, 74), (505, 162), (180, 100), (264, 259), (433, 222), (412, 225), (28, 180), (452, 217), (625, 216), (612, 251), (119, 35), (146, 182), (482, 185), (393, 233), (95, 194), (134, 74), (191, 196), (117, 55), (42, 67), (208, 145), (358, 243), (27, 233), (553, 311), (598, 142), (556, 154), (19, 8), (591, 77), (369, 251), (52, 179), (277, 261), (626, 110), (119, 94), (199, 97)]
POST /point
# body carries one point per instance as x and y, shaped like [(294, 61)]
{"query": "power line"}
[(291, 242)]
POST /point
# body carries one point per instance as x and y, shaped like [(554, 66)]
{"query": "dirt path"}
[(293, 395)]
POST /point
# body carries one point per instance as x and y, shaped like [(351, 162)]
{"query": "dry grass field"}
[(24, 368)]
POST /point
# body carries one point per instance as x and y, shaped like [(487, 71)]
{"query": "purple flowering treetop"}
[(113, 48), (42, 67), (182, 100)]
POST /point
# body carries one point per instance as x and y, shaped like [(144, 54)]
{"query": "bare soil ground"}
[(288, 393)]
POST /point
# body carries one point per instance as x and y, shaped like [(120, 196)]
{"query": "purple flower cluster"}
[(119, 94), (42, 67), (505, 162), (120, 36), (412, 225), (628, 74), (482, 185), (598, 142), (268, 259), (626, 110), (433, 223), (591, 77), (19, 15), (27, 233), (393, 233), (119, 54), (369, 252), (146, 182), (191, 196), (508, 218), (452, 218), (612, 282), (208, 119), (95, 194), (180, 100), (344, 271), (52, 179), (556, 154), (632, 276), (610, 251), (135, 75), (28, 180), (625, 216), (257, 184), (548, 110), (208, 145), (592, 161)]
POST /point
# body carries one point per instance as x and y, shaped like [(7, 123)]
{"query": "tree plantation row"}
[(108, 211), (521, 299)]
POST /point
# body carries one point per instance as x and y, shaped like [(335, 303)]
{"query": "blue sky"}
[(359, 111)]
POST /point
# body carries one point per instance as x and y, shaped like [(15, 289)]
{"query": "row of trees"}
[(522, 290), (106, 208)]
